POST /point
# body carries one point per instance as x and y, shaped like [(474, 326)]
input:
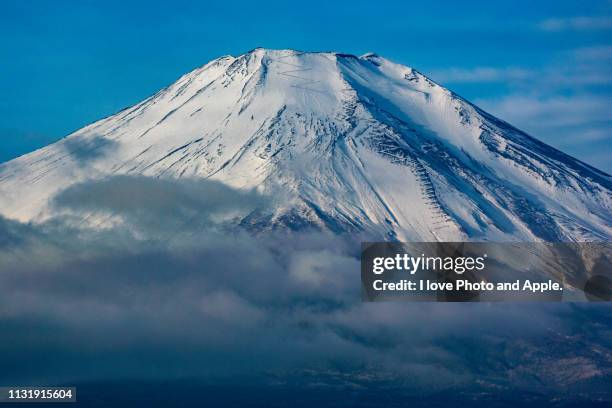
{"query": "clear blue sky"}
[(544, 66)]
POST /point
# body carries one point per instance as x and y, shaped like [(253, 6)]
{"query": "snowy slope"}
[(342, 142)]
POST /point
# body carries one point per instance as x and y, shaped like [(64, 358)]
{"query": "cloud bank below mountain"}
[(279, 309)]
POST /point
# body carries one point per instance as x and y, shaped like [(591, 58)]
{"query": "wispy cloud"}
[(482, 74), (576, 24), (587, 66), (594, 53), (553, 112), (563, 102), (580, 125)]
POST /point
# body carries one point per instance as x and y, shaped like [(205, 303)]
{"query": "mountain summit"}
[(342, 142)]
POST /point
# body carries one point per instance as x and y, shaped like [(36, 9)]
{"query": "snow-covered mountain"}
[(341, 142)]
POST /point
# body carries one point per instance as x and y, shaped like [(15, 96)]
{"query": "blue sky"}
[(544, 66)]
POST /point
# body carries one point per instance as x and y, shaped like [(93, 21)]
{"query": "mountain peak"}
[(342, 143), (286, 52)]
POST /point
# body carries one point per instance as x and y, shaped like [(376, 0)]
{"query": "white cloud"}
[(603, 52), (555, 112), (588, 66), (576, 24), (481, 74), (563, 101), (229, 307), (580, 70), (579, 125)]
